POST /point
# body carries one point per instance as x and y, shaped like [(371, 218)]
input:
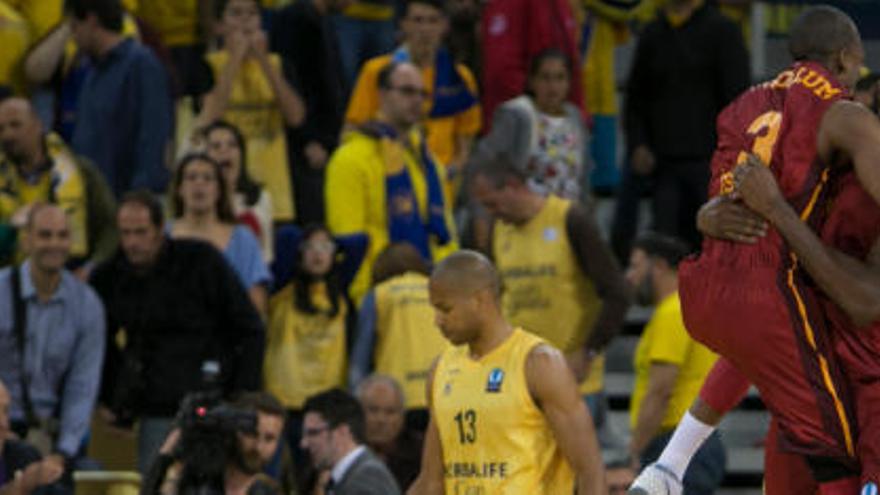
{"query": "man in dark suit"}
[(333, 433)]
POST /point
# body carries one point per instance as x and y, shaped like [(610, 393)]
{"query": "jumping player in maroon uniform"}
[(752, 302)]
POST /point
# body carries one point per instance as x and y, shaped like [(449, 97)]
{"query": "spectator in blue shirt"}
[(63, 330), (124, 121)]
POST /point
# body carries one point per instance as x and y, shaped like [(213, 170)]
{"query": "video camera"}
[(209, 441)]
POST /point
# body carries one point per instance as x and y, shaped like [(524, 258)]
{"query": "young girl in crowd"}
[(544, 131)]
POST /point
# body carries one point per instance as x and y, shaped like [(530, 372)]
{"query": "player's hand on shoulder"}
[(757, 186)]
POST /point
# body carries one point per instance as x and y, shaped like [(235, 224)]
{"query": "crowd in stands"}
[(247, 196)]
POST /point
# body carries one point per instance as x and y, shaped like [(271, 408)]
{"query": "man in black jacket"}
[(689, 64), (178, 321)]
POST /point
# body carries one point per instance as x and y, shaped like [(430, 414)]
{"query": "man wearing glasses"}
[(452, 115), (333, 433), (383, 180)]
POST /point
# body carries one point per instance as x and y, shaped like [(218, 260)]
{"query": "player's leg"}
[(723, 389)]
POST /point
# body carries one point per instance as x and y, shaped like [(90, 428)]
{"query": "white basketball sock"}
[(688, 437)]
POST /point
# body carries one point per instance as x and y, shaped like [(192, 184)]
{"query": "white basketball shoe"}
[(655, 479)]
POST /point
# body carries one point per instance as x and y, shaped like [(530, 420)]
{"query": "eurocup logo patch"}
[(496, 378), (870, 488)]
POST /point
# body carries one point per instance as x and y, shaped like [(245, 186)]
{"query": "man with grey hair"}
[(51, 338), (388, 435)]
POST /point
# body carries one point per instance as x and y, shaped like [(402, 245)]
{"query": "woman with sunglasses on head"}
[(202, 211), (251, 203)]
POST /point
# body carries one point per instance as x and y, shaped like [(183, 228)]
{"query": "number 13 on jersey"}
[(467, 426)]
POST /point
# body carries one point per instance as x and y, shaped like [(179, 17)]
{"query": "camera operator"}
[(213, 449), (270, 426)]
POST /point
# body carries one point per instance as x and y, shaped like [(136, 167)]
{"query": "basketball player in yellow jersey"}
[(506, 416)]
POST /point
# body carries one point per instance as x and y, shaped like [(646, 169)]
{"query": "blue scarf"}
[(405, 223), (451, 94)]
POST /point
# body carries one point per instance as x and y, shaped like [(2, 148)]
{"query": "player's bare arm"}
[(430, 479), (552, 386), (850, 129), (851, 283)]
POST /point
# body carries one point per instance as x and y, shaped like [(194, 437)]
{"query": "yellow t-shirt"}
[(15, 37), (442, 132), (407, 341), (253, 108), (356, 200), (544, 287), (176, 21), (493, 436), (305, 353), (665, 340)]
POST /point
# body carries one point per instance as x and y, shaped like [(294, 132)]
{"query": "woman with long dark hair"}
[(202, 211), (251, 203)]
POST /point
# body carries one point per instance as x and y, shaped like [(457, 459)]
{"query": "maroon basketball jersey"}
[(778, 121)]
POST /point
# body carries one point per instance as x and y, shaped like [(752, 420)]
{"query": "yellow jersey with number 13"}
[(495, 440)]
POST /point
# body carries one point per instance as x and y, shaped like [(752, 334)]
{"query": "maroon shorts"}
[(858, 351), (785, 473), (770, 326)]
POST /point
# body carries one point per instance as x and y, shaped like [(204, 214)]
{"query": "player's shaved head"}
[(820, 32), (468, 271)]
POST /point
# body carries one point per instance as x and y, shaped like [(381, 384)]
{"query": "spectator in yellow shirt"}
[(670, 366), (251, 93), (383, 182), (453, 112)]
